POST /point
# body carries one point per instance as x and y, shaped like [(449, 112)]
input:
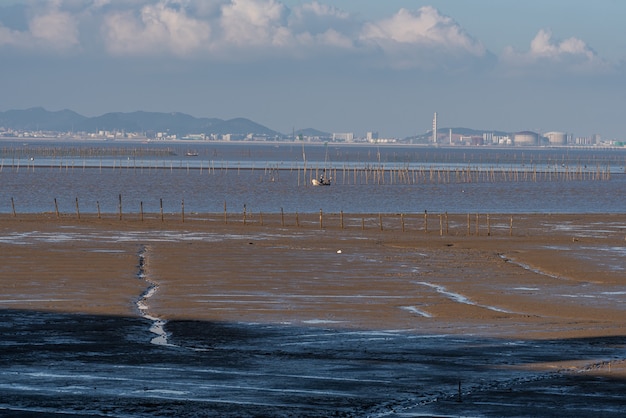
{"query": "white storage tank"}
[(556, 138), (526, 138)]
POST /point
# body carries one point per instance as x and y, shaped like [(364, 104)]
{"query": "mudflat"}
[(542, 277), (522, 277)]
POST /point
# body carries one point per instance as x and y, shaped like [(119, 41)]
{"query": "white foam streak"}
[(459, 298), (417, 311)]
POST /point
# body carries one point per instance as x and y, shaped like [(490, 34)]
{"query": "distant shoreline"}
[(146, 141)]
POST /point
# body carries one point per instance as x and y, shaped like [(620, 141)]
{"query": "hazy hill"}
[(39, 119), (312, 133)]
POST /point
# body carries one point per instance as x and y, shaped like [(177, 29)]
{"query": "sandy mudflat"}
[(549, 276), (558, 280)]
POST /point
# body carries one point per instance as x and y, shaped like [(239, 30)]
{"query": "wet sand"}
[(547, 278)]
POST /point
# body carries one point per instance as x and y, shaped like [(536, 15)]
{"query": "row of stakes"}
[(443, 218)]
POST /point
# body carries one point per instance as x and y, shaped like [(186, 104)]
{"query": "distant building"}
[(526, 138), (371, 136), (556, 138), (347, 136)]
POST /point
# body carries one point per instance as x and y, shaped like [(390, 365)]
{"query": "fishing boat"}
[(191, 154), (322, 181)]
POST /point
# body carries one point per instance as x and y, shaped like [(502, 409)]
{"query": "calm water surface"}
[(267, 178)]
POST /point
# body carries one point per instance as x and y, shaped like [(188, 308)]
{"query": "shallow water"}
[(270, 178)]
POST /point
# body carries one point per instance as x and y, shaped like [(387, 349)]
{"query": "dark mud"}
[(57, 364)]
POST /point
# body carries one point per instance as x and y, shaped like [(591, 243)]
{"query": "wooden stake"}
[(98, 207), (321, 220), (13, 207), (477, 225), (161, 205), (77, 211), (141, 211), (120, 205), (440, 225), (182, 212), (56, 207)]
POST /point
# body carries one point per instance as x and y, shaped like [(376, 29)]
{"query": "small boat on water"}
[(323, 181), (191, 154)]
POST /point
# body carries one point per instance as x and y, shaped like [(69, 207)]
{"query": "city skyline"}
[(340, 66)]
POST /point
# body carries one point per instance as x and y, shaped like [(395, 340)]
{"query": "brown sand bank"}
[(547, 276)]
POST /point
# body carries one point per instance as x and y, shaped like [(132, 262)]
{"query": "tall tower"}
[(435, 128)]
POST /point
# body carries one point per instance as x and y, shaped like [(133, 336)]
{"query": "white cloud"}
[(571, 55), (157, 29), (250, 23), (422, 39), (48, 29), (248, 30)]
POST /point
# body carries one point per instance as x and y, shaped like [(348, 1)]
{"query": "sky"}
[(333, 65)]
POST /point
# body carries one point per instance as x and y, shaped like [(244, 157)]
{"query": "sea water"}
[(271, 178)]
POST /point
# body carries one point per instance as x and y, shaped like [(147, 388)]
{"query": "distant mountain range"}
[(181, 124), (149, 123)]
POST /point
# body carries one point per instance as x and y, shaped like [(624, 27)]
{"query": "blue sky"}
[(338, 66)]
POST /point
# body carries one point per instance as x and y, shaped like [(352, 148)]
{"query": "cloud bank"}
[(249, 30)]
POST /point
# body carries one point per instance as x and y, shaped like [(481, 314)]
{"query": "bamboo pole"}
[(56, 207), (13, 207), (141, 211), (77, 210), (440, 225), (477, 225), (120, 206), (161, 207)]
